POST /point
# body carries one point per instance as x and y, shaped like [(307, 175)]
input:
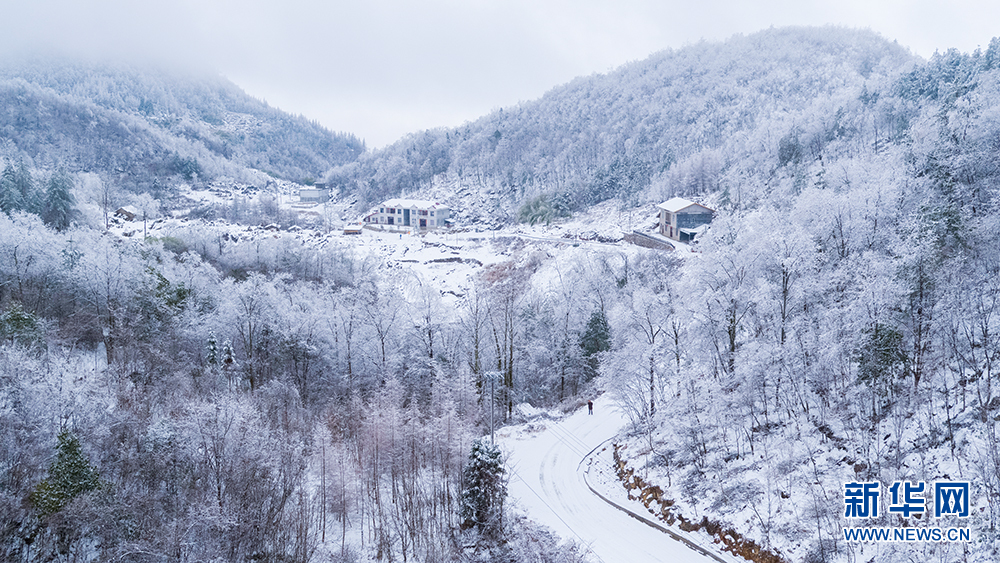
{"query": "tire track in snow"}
[(558, 496)]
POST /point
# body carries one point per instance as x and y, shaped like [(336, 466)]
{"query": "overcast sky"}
[(384, 68)]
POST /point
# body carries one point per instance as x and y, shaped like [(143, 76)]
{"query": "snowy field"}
[(447, 260)]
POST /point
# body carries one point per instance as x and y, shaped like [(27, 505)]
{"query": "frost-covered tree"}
[(227, 353), (70, 475), (30, 262), (19, 326), (59, 205), (24, 183), (484, 489), (212, 350), (10, 196), (107, 276)]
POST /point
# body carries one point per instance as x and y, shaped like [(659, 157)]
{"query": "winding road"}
[(547, 481)]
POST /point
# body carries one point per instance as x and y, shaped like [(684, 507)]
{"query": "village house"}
[(127, 213), (682, 220), (317, 193), (409, 213)]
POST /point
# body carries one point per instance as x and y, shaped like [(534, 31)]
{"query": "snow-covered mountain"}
[(686, 121), (146, 126)]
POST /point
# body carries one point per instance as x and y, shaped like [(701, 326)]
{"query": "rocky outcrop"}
[(663, 508)]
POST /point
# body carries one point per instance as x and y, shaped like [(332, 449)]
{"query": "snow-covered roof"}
[(410, 203), (675, 204)]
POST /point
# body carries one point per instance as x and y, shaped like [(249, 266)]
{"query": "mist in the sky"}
[(383, 68)]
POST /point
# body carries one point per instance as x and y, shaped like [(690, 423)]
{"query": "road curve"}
[(547, 482)]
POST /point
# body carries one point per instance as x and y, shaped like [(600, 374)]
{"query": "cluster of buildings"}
[(680, 219)]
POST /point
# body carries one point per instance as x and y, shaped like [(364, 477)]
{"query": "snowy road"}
[(547, 482)]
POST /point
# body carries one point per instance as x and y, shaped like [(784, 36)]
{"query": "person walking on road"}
[(590, 407)]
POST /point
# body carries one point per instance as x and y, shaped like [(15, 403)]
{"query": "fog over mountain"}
[(382, 70), (679, 122), (140, 124)]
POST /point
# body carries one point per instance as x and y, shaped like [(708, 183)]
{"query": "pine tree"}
[(228, 358), (212, 350), (25, 186), (597, 337), (881, 360), (59, 203), (484, 489), (70, 476), (20, 326), (10, 196)]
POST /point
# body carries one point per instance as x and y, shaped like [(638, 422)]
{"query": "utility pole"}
[(323, 487), (493, 376), (492, 439)]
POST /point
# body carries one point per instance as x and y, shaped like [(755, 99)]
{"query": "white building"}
[(409, 213), (682, 220), (318, 193)]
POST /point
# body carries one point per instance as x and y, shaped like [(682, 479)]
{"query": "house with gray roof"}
[(682, 220)]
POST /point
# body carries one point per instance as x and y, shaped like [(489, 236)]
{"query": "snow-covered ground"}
[(549, 480), (550, 465), (447, 259)]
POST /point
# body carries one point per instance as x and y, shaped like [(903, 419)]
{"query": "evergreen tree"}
[(10, 196), (484, 489), (212, 350), (597, 337), (59, 203), (20, 326), (228, 355), (70, 476), (25, 186), (881, 359)]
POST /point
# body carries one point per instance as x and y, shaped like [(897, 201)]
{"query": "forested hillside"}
[(840, 325), (140, 126), (198, 395), (670, 124), (211, 392)]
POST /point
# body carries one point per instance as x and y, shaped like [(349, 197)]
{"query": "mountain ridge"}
[(617, 134), (143, 120)]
